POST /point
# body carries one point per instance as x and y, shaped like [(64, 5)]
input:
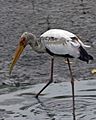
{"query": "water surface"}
[(55, 103)]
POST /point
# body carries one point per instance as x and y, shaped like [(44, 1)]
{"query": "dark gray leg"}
[(50, 80), (72, 83)]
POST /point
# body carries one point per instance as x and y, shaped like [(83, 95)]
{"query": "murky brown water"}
[(36, 16)]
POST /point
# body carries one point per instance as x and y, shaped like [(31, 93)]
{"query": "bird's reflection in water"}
[(49, 112)]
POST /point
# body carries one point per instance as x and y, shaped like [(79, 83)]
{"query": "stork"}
[(55, 42)]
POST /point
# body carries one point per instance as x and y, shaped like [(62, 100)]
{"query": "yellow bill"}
[(19, 50)]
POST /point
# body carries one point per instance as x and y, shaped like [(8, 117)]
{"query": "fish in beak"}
[(22, 44)]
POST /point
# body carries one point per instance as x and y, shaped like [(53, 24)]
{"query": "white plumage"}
[(56, 42), (62, 42), (59, 33)]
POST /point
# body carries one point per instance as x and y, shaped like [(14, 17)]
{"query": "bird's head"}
[(25, 39)]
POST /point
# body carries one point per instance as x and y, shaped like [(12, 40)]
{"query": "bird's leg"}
[(50, 80), (72, 83)]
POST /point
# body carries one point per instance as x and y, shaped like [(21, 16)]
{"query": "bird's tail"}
[(84, 56)]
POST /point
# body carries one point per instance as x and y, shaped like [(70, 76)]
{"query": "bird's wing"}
[(62, 42), (58, 33), (75, 38), (61, 46)]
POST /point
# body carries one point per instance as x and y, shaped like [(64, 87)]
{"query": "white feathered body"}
[(61, 42)]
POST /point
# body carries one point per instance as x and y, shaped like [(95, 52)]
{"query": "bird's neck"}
[(37, 47)]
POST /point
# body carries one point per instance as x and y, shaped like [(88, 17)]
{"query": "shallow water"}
[(55, 103)]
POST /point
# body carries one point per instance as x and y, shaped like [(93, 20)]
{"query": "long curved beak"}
[(22, 44)]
